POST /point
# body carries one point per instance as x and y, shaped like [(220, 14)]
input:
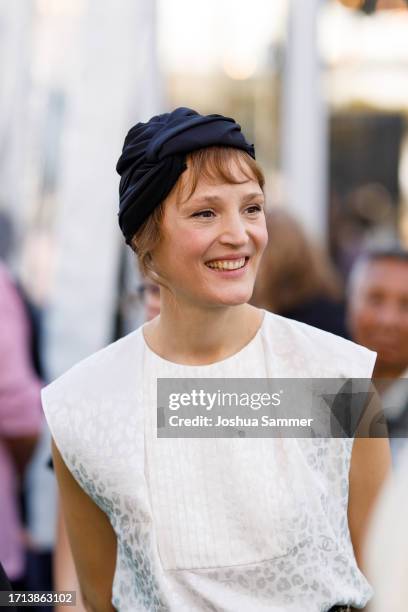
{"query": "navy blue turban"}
[(154, 156)]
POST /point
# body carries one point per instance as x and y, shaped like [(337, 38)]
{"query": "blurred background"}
[(320, 87)]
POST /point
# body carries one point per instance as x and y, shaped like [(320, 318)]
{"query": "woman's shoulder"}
[(92, 408), (321, 351), (103, 372)]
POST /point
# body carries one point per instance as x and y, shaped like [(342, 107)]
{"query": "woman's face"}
[(212, 242)]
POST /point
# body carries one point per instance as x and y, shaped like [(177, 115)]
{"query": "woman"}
[(205, 524)]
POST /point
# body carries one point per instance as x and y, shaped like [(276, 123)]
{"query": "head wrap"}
[(154, 156)]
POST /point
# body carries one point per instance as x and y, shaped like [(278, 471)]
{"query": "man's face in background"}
[(378, 310), (151, 300)]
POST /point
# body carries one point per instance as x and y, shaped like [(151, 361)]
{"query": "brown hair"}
[(292, 270), (210, 163)]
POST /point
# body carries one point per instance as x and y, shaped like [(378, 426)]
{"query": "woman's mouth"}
[(227, 264)]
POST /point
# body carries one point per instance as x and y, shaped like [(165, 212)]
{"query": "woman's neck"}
[(198, 336)]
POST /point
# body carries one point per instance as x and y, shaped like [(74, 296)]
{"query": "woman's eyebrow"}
[(255, 194), (208, 199)]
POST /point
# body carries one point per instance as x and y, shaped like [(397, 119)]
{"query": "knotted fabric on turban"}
[(154, 156)]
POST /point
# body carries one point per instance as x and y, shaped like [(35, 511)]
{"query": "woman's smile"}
[(229, 268)]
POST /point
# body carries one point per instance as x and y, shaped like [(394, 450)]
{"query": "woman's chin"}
[(232, 298)]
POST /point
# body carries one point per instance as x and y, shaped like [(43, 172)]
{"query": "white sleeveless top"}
[(226, 525)]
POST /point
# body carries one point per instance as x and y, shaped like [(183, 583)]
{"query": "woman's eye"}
[(254, 208), (204, 213)]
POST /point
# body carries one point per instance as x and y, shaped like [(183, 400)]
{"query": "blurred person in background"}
[(149, 292), (386, 550), (296, 279), (40, 503), (5, 585), (33, 313), (4, 582), (6, 236), (37, 498), (377, 315), (20, 423)]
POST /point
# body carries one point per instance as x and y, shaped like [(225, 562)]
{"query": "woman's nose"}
[(234, 231)]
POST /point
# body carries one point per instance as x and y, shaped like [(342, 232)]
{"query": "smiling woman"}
[(218, 224), (213, 164), (164, 524)]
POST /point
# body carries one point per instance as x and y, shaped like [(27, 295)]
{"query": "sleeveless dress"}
[(213, 524)]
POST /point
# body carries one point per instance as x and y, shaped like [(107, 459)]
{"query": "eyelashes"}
[(208, 213), (255, 208), (204, 214)]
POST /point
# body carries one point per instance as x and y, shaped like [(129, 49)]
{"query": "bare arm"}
[(65, 578), (92, 540), (370, 465)]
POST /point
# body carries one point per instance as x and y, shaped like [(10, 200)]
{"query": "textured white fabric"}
[(231, 525)]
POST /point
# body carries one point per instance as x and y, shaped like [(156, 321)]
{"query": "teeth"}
[(227, 264)]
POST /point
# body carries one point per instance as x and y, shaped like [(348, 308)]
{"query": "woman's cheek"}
[(262, 239)]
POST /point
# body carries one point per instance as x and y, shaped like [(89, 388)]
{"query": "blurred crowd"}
[(296, 279)]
